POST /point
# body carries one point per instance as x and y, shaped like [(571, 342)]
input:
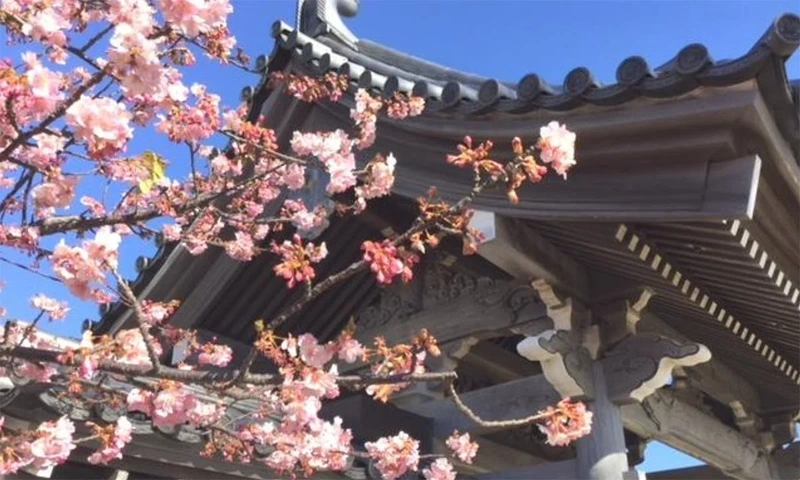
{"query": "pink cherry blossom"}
[(172, 232), (134, 57), (53, 443), (48, 24), (365, 115), (95, 207), (139, 400), (334, 150), (156, 313), (297, 259), (102, 123), (214, 354), (45, 89), (312, 353), (169, 407), (566, 422), (463, 448), (45, 154), (201, 413), (242, 248), (557, 144), (131, 348), (51, 195), (193, 17), (441, 469), (187, 123), (113, 444), (394, 456), (380, 178), (387, 261), (55, 309), (137, 14), (88, 367), (350, 350), (79, 267)]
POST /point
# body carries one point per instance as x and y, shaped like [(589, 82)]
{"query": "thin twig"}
[(492, 423)]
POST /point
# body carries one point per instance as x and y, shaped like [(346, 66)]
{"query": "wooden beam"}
[(507, 401), (370, 419), (500, 364), (692, 189), (662, 417), (665, 418), (525, 255), (465, 316), (565, 470), (702, 472), (713, 377), (492, 457)]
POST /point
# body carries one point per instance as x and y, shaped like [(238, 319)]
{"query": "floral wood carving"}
[(442, 286)]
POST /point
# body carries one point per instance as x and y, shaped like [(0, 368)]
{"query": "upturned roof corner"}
[(319, 17)]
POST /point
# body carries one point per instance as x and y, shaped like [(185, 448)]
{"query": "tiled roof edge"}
[(387, 71)]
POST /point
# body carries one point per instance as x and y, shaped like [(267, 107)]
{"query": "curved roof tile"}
[(388, 71)]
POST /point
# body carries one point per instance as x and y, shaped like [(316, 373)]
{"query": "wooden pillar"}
[(601, 454)]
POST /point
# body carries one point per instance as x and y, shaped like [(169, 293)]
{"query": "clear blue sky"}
[(494, 38)]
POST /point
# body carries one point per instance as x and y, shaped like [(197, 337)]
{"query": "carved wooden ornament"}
[(643, 363), (566, 365)]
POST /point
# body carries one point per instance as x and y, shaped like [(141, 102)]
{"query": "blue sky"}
[(494, 38)]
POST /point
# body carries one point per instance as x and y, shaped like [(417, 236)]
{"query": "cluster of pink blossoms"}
[(28, 336), (462, 446), (215, 354), (192, 124), (80, 267), (365, 115), (49, 445), (113, 439), (301, 439), (394, 456), (441, 469), (379, 178), (297, 258), (49, 196), (557, 145), (388, 261), (174, 406), (55, 309), (195, 17), (102, 123), (131, 348), (566, 422), (335, 151)]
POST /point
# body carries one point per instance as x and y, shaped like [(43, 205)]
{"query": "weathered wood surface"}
[(714, 378), (492, 457), (665, 418), (488, 306), (565, 470), (507, 401), (525, 255), (638, 191), (601, 455)]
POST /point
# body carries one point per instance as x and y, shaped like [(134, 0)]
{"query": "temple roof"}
[(323, 42), (688, 170)]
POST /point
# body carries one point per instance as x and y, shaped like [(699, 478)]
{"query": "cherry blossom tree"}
[(96, 73)]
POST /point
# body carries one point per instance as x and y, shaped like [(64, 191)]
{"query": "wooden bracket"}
[(643, 363), (566, 365)]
